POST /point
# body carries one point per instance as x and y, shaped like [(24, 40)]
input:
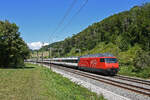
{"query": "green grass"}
[(39, 83), (130, 71)]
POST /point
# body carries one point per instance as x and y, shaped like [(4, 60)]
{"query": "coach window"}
[(102, 60)]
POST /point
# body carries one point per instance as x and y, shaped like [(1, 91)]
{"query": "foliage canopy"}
[(13, 50), (125, 29), (125, 35)]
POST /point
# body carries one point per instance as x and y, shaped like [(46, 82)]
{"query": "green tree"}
[(13, 50), (125, 29)]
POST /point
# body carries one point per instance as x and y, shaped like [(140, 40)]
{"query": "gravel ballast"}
[(108, 91)]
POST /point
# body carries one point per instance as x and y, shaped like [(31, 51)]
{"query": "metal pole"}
[(49, 52), (42, 51), (58, 53), (80, 52), (50, 57), (37, 55), (59, 50)]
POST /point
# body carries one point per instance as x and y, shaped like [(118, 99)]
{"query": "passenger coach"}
[(102, 63)]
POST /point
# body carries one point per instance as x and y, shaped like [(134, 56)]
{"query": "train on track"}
[(104, 63)]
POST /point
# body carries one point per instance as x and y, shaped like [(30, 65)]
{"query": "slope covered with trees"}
[(13, 50), (125, 30), (126, 35)]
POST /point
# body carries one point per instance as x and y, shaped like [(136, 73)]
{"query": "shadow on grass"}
[(17, 67)]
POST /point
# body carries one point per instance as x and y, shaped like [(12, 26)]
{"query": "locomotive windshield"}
[(108, 60)]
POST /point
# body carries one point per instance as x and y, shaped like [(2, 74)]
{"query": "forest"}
[(126, 35)]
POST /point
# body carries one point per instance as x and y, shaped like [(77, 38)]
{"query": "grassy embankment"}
[(128, 71), (39, 83)]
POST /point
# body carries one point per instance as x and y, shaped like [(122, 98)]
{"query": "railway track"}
[(134, 88), (141, 81)]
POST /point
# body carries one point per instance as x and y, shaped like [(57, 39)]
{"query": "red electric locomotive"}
[(101, 63)]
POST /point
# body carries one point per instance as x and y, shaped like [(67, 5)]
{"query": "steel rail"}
[(133, 79), (106, 80), (110, 82)]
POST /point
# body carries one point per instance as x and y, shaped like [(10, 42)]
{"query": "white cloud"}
[(46, 44), (36, 45)]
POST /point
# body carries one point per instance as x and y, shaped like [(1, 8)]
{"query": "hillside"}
[(124, 30), (125, 35)]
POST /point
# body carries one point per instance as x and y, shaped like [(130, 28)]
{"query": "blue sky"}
[(38, 19)]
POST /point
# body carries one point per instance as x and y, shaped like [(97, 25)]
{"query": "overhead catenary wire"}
[(64, 17), (74, 15), (67, 13), (79, 10), (62, 20)]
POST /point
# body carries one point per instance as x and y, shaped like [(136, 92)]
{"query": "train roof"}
[(98, 55), (68, 58), (85, 56)]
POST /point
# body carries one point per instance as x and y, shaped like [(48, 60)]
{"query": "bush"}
[(142, 60), (130, 71)]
